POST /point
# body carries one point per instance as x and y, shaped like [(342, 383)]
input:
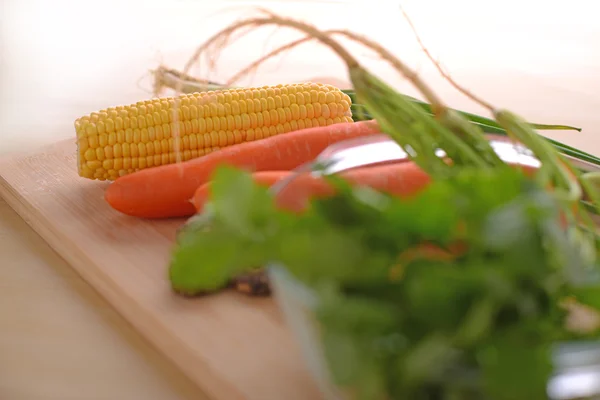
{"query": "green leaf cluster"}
[(453, 294)]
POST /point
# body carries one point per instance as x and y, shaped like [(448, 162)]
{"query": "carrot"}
[(313, 185), (401, 179), (263, 178), (398, 178), (165, 191)]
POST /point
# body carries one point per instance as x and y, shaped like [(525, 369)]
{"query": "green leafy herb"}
[(490, 310)]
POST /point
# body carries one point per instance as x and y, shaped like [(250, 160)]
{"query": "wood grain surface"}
[(232, 346), (59, 340)]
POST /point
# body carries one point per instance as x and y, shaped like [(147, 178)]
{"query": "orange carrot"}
[(401, 179), (263, 178), (165, 191), (314, 185)]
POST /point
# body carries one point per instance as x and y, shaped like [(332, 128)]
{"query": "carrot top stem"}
[(325, 38), (554, 169), (423, 134)]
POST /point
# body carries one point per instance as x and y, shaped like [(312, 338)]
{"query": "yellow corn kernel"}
[(121, 140)]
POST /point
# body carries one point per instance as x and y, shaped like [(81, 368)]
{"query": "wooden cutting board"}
[(232, 346)]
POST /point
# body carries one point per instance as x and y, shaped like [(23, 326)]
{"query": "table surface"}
[(63, 59)]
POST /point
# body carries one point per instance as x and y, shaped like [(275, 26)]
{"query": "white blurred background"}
[(61, 59)]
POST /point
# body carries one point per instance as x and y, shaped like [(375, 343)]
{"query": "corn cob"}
[(117, 141)]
